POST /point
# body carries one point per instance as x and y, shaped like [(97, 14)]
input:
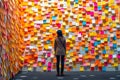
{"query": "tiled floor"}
[(74, 75)]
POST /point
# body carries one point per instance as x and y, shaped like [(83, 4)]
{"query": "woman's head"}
[(59, 33)]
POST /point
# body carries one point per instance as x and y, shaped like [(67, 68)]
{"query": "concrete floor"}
[(73, 75)]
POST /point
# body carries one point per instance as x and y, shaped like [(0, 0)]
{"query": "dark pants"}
[(58, 62)]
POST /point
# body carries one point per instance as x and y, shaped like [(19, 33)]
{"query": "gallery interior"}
[(28, 30)]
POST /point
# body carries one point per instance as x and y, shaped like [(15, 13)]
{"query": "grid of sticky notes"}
[(11, 39), (91, 29)]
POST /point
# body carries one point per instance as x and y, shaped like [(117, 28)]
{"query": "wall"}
[(91, 28), (11, 39)]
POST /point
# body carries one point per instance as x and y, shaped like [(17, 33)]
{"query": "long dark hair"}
[(59, 33)]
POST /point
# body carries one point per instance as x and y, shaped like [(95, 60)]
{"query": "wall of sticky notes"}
[(11, 39), (91, 27)]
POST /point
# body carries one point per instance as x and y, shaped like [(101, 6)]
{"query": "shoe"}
[(57, 75), (62, 74)]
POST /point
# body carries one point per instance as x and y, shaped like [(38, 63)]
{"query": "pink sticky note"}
[(49, 69), (48, 15), (100, 22), (43, 61), (95, 3), (35, 65), (62, 9), (92, 13), (108, 27), (110, 44), (94, 38), (49, 64), (110, 56), (113, 17), (117, 1), (87, 12), (92, 51), (105, 64), (48, 54), (59, 25), (37, 26), (101, 32), (92, 41), (84, 64), (96, 28), (118, 56)]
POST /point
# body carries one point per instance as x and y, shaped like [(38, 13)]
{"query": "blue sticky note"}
[(114, 38), (118, 49), (108, 39), (82, 51), (99, 8), (84, 23), (104, 68), (114, 46), (98, 42), (97, 56), (54, 17), (44, 21), (104, 51), (95, 43), (76, 1), (86, 48), (107, 7), (48, 41)]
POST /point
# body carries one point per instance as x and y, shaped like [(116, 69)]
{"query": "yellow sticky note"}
[(44, 68), (73, 37), (107, 47), (73, 59), (71, 54), (32, 39), (30, 69), (105, 39), (46, 46), (106, 55), (88, 8), (82, 68), (75, 5)]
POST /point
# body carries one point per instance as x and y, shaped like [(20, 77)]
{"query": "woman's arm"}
[(55, 45)]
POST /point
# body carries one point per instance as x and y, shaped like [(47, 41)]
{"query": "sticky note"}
[(81, 68), (54, 17), (104, 68)]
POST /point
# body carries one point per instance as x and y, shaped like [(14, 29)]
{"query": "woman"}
[(60, 51)]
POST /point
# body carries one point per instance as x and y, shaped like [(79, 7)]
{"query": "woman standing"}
[(60, 51)]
